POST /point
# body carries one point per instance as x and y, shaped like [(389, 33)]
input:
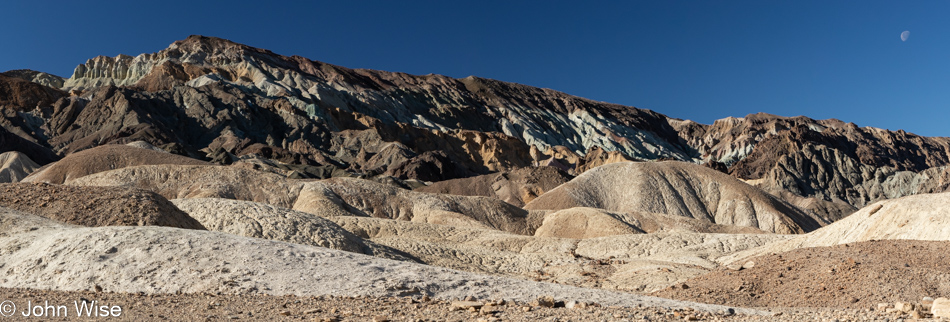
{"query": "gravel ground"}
[(855, 276), (207, 307)]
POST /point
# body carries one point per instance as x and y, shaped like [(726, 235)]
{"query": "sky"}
[(697, 60)]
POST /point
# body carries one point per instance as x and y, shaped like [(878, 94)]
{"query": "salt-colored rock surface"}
[(677, 188), (919, 217), (167, 260), (14, 166)]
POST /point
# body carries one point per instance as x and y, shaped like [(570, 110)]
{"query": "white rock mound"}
[(251, 219), (681, 189)]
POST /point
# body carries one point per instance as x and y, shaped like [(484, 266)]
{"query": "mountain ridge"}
[(214, 99)]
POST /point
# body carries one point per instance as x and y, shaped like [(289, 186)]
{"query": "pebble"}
[(464, 305), (545, 301), (904, 307)]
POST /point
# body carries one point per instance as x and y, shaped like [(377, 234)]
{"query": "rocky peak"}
[(22, 95), (41, 78)]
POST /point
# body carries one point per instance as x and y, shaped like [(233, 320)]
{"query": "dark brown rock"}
[(95, 206)]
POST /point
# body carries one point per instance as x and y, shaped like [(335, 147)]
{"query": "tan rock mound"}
[(201, 181), (677, 188), (166, 260), (95, 206), (14, 166), (919, 217), (858, 275), (516, 187), (582, 222), (343, 196), (105, 158)]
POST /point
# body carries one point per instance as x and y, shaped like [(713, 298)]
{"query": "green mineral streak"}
[(311, 110)]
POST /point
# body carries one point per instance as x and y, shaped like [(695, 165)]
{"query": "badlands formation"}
[(212, 180)]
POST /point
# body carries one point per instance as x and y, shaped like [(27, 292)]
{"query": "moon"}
[(905, 35)]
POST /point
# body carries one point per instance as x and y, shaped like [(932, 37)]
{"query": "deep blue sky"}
[(699, 60)]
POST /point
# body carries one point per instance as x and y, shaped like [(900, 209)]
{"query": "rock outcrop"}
[(23, 95), (41, 78), (583, 223), (10, 142)]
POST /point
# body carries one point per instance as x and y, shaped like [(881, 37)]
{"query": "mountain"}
[(216, 100)]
